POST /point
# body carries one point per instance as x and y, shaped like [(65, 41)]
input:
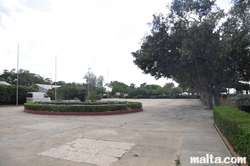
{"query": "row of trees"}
[(94, 85), (145, 90), (91, 85), (25, 78), (199, 45)]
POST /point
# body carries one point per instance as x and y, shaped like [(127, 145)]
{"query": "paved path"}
[(154, 137)]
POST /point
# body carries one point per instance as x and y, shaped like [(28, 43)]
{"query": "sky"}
[(62, 39)]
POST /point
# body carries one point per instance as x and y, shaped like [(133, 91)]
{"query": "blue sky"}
[(100, 34)]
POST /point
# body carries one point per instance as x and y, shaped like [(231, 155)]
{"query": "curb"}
[(229, 147), (84, 113)]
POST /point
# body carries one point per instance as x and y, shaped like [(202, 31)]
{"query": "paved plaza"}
[(167, 128)]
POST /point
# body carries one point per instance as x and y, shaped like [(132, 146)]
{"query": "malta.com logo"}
[(210, 159)]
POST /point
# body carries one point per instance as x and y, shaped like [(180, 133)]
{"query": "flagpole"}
[(55, 77), (17, 75)]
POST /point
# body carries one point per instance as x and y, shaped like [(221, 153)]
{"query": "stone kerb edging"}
[(229, 147), (84, 113)]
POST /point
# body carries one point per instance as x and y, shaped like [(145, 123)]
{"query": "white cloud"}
[(90, 33)]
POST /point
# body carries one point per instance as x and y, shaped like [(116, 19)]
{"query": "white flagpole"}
[(55, 77), (17, 75)]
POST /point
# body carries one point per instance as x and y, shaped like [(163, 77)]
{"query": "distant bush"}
[(164, 97), (235, 126), (82, 108), (8, 94), (94, 97)]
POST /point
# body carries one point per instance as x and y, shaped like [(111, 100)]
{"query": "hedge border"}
[(107, 109), (231, 124), (227, 144), (84, 113)]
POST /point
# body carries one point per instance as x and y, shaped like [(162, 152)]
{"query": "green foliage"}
[(25, 77), (235, 126), (8, 94), (177, 161), (245, 108), (165, 97), (134, 105), (152, 87), (139, 91), (120, 87), (176, 91), (198, 45), (82, 108), (67, 92), (100, 90), (51, 93), (5, 93), (94, 97), (93, 84), (91, 81), (169, 85), (241, 86)]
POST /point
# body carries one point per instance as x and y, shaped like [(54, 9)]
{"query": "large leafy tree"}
[(199, 45)]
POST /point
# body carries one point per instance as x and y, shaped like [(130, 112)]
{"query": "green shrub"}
[(165, 97), (161, 97), (134, 105), (8, 94), (81, 108), (94, 97), (5, 96), (235, 126)]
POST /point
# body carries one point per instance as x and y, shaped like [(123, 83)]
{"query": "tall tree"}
[(90, 81), (99, 84), (198, 44)]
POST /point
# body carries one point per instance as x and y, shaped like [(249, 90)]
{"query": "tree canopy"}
[(198, 45), (24, 77)]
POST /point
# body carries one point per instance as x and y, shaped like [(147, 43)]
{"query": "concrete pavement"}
[(167, 128)]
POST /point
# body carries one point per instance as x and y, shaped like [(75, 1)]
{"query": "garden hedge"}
[(8, 94), (82, 108), (163, 97), (234, 124)]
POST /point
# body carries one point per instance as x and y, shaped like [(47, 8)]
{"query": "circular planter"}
[(84, 113), (82, 108)]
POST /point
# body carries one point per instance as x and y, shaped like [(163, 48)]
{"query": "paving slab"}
[(154, 137)]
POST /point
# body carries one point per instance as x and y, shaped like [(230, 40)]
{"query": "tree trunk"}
[(210, 101), (203, 98), (217, 98)]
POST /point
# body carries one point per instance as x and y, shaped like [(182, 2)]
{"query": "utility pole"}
[(17, 75)]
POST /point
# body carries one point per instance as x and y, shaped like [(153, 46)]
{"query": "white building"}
[(45, 88), (4, 83)]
